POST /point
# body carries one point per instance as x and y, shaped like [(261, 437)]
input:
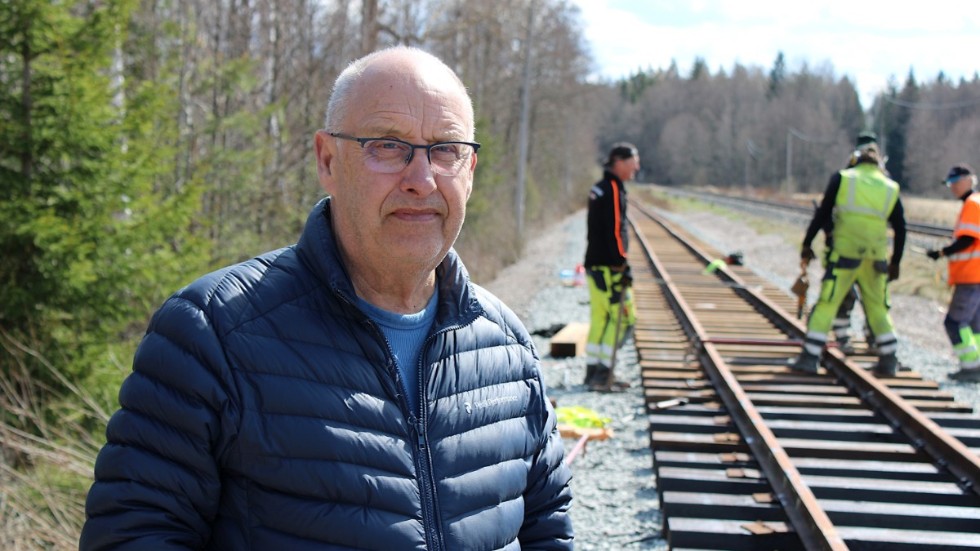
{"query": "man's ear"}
[(472, 170), (325, 149)]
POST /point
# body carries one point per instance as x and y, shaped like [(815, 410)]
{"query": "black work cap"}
[(958, 171), (866, 137), (621, 150)]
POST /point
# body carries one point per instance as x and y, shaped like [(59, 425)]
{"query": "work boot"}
[(966, 374), (887, 365), (806, 363), (590, 370), (845, 345), (605, 381), (872, 342)]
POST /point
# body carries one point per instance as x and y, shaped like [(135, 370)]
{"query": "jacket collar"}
[(610, 176), (317, 246)]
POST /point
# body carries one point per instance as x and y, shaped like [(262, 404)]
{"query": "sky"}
[(868, 41)]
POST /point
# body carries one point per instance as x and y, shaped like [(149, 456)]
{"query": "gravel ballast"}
[(616, 503)]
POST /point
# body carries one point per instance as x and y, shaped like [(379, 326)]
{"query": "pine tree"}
[(777, 76), (86, 233)]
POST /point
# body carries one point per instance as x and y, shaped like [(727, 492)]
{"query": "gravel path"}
[(616, 502)]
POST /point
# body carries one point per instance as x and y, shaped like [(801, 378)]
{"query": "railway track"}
[(749, 454)]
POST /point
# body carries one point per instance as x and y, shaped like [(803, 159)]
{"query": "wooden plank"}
[(594, 433), (570, 341), (726, 534)]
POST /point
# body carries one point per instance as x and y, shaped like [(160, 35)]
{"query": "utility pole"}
[(524, 130), (790, 134), (753, 155), (789, 160)]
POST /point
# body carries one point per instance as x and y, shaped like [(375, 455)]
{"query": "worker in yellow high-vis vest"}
[(863, 202), (962, 320), (841, 327), (613, 313)]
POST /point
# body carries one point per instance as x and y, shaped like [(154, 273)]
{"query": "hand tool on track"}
[(800, 288), (612, 385)]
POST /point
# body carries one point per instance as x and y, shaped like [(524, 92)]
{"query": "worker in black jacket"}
[(613, 312)]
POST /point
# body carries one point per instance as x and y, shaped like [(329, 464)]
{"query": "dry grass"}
[(941, 212), (45, 466)]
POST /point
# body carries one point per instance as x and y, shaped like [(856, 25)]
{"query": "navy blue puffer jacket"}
[(264, 412)]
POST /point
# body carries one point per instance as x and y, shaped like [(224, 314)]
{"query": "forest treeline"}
[(144, 143)]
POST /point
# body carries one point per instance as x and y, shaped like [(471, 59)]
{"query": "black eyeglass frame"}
[(411, 155)]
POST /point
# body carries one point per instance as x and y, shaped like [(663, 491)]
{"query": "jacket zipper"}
[(427, 490), (430, 504)]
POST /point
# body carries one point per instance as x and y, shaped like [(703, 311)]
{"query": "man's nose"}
[(418, 176)]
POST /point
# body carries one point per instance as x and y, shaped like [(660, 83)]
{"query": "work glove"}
[(807, 254), (627, 279), (892, 272), (934, 254)]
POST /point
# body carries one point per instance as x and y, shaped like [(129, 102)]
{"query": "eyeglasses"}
[(390, 155), (971, 177)]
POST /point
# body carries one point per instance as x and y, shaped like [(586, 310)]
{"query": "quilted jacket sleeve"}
[(547, 524), (156, 479), (547, 498)]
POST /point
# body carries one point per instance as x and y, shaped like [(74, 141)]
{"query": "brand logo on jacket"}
[(483, 404)]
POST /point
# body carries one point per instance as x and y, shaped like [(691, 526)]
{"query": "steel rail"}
[(924, 434), (810, 521)]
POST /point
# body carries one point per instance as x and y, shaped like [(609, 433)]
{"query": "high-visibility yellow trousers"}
[(962, 323), (608, 300), (872, 278)]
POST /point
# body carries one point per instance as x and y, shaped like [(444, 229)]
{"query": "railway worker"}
[(962, 320), (863, 202), (842, 321), (356, 389), (613, 313)]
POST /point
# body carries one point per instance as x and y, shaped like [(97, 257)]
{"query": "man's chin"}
[(414, 252)]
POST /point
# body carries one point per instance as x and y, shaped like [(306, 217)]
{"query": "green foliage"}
[(700, 69), (777, 76), (633, 87), (897, 126), (486, 241), (489, 178), (88, 233)]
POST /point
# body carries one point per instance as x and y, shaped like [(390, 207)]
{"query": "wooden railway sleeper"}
[(870, 391)]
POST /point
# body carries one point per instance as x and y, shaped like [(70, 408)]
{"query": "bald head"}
[(395, 223), (390, 67)]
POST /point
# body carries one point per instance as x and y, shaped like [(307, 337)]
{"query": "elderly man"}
[(354, 390)]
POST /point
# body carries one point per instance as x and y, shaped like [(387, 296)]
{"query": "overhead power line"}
[(933, 106), (796, 133)]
